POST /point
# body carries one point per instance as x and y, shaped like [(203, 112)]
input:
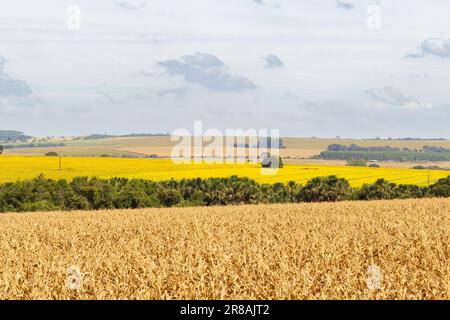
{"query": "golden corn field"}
[(350, 250), (13, 168)]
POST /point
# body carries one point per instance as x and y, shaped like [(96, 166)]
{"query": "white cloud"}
[(272, 62), (274, 5), (345, 5), (432, 46), (208, 71), (10, 87), (394, 97), (130, 4)]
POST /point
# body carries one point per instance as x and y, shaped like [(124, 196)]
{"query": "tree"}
[(1, 149), (280, 162), (441, 188), (12, 136), (380, 190), (292, 189), (321, 189), (170, 197)]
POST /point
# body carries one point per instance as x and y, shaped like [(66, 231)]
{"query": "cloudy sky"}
[(309, 68)]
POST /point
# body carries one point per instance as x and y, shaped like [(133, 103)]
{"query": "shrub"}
[(42, 205), (325, 189), (196, 199), (41, 194), (441, 188), (169, 198), (381, 189), (356, 163), (404, 191), (51, 154)]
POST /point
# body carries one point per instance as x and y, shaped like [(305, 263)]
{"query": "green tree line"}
[(385, 155), (82, 193)]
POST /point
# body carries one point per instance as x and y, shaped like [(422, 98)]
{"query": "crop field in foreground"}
[(13, 168), (304, 251)]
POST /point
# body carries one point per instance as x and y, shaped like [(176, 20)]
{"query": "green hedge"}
[(41, 194), (385, 156)]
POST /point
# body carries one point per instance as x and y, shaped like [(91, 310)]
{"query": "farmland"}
[(296, 148), (13, 168), (297, 251)]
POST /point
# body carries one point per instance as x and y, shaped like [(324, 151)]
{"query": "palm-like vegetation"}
[(41, 194)]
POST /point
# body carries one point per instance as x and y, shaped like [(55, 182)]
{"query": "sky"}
[(320, 68)]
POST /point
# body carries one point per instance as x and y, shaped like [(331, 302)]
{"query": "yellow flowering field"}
[(13, 168)]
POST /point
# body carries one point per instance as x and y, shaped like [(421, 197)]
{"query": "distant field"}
[(13, 168), (296, 148), (302, 251), (322, 144)]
